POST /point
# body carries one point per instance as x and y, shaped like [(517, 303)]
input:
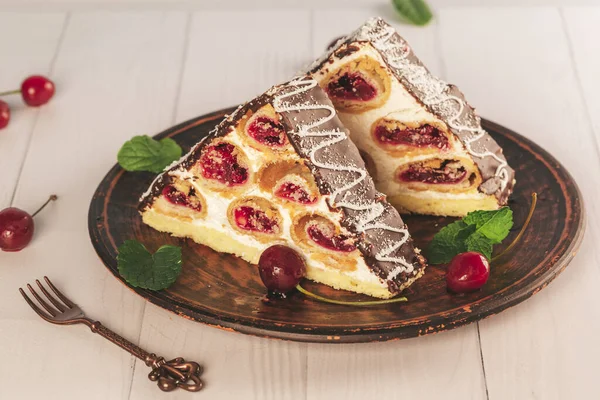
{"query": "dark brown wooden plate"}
[(223, 291)]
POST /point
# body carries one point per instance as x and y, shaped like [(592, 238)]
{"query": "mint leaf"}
[(479, 231), (415, 11), (448, 242), (494, 225), (141, 269), (479, 243), (142, 153)]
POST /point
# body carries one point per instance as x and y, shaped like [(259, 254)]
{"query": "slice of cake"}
[(281, 170), (423, 144)]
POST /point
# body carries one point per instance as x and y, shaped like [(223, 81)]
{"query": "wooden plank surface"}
[(244, 5), (33, 53), (546, 347), (583, 28), (116, 75), (125, 73)]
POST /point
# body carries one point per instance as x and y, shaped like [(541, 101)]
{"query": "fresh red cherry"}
[(467, 272), (4, 114), (16, 227), (37, 90), (281, 268)]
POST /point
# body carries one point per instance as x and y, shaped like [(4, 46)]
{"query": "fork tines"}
[(60, 304)]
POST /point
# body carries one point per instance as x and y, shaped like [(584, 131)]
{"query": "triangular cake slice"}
[(423, 143), (281, 170)]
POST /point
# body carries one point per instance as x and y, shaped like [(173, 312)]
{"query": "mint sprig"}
[(479, 231), (142, 153), (414, 11), (142, 269)]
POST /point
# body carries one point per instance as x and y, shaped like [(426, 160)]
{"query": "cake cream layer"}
[(363, 245), (249, 248), (408, 97)]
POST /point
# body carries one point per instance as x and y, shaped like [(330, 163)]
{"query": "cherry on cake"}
[(282, 170), (423, 143)]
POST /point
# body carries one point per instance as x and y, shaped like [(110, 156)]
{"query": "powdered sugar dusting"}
[(432, 91), (369, 210)]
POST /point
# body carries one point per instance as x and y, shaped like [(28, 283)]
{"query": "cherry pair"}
[(36, 90)]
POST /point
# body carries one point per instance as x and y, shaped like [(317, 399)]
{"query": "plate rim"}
[(484, 307)]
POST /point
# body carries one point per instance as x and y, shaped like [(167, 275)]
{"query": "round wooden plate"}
[(226, 292)]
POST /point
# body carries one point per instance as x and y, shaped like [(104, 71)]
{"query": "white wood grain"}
[(445, 365), (519, 73), (38, 37), (235, 56), (583, 28), (402, 369), (244, 5), (232, 57), (116, 75), (120, 74)]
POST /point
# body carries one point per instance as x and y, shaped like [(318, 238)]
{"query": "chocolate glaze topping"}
[(319, 138), (441, 99)]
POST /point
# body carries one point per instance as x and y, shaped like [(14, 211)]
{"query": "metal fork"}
[(169, 375)]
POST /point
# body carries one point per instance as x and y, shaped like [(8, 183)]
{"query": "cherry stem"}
[(51, 198), (522, 231), (349, 303), (16, 91)]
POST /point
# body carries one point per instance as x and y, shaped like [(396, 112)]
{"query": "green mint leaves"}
[(414, 11), (149, 271), (142, 153), (479, 231)]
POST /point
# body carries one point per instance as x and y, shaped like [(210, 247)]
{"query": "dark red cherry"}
[(423, 136), (37, 90), (253, 219), (281, 268), (174, 196), (267, 131), (467, 272), (220, 162), (16, 227), (295, 193), (325, 237), (352, 86), (4, 114), (446, 174)]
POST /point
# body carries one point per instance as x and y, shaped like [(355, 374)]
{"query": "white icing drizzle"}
[(370, 211), (383, 37)]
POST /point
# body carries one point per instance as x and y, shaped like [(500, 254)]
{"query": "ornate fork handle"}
[(169, 375)]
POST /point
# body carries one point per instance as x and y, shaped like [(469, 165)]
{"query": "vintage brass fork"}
[(169, 375)]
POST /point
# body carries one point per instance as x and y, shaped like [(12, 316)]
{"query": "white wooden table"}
[(136, 68)]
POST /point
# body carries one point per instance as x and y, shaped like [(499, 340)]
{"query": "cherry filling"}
[(448, 172), (423, 136), (266, 131), (296, 193), (252, 219), (352, 86), (219, 162), (325, 237), (174, 196)]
